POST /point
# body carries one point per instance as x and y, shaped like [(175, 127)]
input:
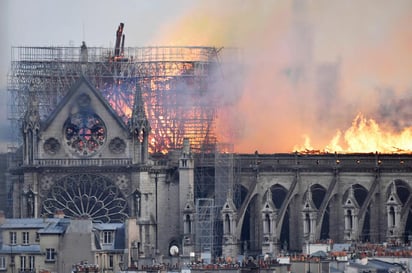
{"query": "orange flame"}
[(364, 136)]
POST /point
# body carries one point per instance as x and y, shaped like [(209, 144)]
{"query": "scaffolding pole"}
[(205, 215)]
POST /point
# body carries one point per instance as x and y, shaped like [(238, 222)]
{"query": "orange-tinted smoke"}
[(352, 51)]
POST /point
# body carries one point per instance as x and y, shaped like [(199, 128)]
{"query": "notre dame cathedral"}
[(87, 162)]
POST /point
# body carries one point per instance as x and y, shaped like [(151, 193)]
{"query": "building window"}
[(32, 265), (2, 262), (50, 254), (22, 262), (25, 236), (37, 237), (111, 261), (107, 237), (13, 238)]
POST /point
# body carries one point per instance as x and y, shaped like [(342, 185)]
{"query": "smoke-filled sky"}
[(313, 72)]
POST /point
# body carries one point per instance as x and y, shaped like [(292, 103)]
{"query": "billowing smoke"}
[(308, 67), (394, 110)]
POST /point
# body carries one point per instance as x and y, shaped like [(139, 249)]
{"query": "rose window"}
[(87, 196), (85, 133)]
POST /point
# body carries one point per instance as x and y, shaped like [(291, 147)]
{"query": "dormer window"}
[(107, 237)]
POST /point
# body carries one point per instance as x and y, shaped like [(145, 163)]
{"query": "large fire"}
[(304, 76), (364, 136), (177, 93)]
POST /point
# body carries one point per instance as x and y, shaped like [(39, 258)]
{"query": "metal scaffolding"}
[(181, 90), (177, 83), (216, 175), (224, 172), (205, 215), (226, 185)]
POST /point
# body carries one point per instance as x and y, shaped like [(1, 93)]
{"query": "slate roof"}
[(43, 226), (29, 249), (55, 227), (46, 226), (29, 223), (107, 226)]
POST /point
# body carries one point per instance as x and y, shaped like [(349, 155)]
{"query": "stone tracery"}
[(87, 196)]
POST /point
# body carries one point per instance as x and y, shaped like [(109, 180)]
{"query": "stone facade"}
[(90, 163), (344, 198)]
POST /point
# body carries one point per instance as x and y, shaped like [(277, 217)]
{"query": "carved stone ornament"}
[(51, 146), (117, 145), (83, 100), (89, 196)]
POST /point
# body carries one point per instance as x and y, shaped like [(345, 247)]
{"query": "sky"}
[(317, 75)]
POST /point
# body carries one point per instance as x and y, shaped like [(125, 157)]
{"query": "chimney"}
[(2, 217), (59, 213), (186, 147)]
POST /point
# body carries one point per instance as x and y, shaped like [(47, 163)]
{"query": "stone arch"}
[(319, 193), (360, 194), (250, 224), (175, 247), (404, 192), (279, 194), (247, 195), (241, 192)]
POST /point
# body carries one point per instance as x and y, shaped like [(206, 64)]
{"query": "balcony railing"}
[(64, 162)]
